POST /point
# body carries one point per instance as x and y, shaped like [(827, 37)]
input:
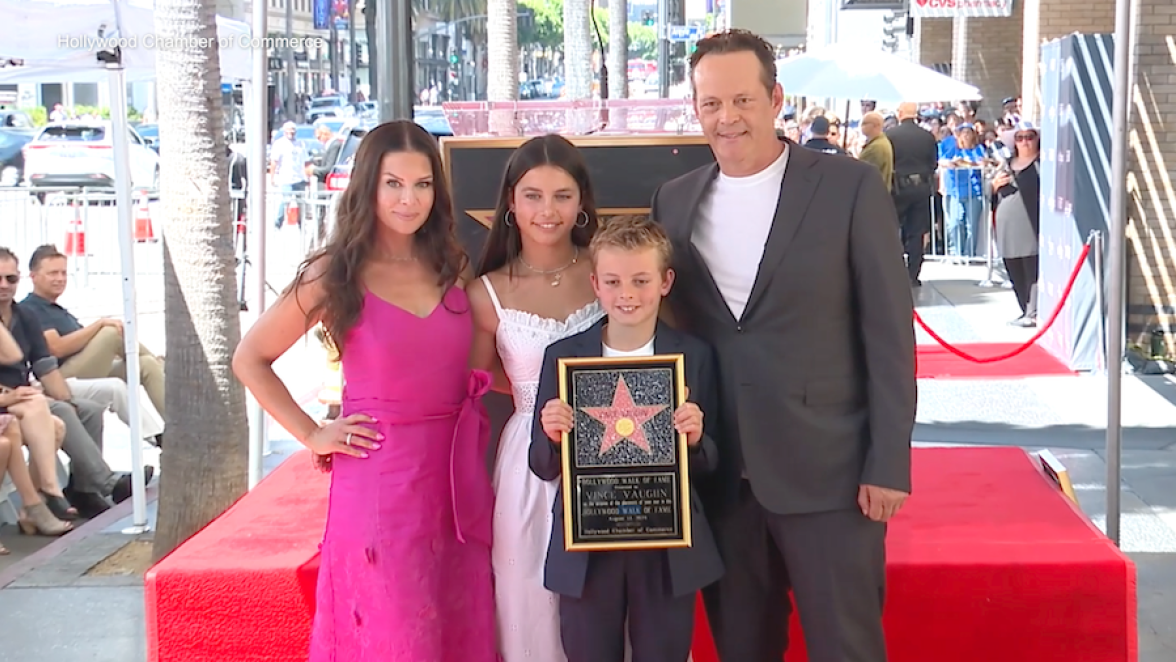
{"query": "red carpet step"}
[(988, 562)]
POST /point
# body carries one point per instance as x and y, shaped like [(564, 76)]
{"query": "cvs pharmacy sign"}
[(962, 8)]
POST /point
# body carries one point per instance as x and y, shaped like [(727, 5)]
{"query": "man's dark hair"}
[(6, 254), (738, 41), (45, 252)]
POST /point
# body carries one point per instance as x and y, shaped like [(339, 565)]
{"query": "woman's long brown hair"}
[(354, 236)]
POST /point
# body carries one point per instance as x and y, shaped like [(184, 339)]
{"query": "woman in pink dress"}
[(405, 573)]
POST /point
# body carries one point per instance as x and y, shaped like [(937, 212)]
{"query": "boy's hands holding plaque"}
[(556, 419), (688, 421)]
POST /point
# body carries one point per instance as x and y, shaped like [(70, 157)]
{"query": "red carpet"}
[(242, 589), (932, 361), (988, 562)]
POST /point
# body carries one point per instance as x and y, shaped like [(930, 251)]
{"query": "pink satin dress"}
[(405, 571)]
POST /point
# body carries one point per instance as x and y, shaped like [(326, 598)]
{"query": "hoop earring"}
[(586, 219), (506, 218)]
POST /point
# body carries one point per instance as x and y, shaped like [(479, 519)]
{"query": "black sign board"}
[(625, 172)]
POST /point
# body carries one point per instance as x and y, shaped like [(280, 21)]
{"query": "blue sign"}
[(684, 33), (226, 88), (322, 14)]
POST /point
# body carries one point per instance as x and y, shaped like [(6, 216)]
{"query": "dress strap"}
[(493, 294)]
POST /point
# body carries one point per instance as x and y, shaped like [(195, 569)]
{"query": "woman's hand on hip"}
[(346, 436)]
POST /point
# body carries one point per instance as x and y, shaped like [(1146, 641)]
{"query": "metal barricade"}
[(985, 243), (83, 224), (318, 205), (307, 209)]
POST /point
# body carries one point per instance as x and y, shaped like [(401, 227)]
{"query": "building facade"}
[(1000, 55)]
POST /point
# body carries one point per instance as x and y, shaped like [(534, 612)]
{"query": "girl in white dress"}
[(534, 289)]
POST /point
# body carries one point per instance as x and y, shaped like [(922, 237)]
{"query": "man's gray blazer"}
[(817, 377)]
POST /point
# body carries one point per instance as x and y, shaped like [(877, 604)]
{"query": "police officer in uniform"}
[(916, 159)]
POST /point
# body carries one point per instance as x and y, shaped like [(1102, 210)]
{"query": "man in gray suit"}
[(789, 265)]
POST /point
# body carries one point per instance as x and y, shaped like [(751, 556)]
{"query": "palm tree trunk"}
[(618, 58), (502, 42), (205, 467), (618, 49), (369, 29), (577, 49)]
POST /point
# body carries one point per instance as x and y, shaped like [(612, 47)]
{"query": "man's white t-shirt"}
[(290, 159), (733, 227)]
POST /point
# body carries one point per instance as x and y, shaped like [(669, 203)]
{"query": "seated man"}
[(91, 480), (84, 352), (111, 393)]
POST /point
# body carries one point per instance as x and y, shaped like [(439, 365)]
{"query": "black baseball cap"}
[(820, 126)]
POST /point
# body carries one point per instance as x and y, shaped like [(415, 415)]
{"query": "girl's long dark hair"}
[(354, 236), (504, 242)]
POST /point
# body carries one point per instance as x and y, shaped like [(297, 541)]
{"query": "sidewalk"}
[(1064, 414)]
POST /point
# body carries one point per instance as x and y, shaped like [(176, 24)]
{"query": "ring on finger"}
[(347, 440)]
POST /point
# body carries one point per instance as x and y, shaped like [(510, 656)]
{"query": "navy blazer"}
[(691, 568)]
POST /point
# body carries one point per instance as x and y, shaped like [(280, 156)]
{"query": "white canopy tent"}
[(849, 72), (60, 41)]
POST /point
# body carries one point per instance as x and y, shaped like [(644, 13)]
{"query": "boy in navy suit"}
[(653, 589)]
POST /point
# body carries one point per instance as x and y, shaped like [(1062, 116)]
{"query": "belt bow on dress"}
[(472, 492), (469, 481)]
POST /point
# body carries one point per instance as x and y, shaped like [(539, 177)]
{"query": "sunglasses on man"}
[(12, 279)]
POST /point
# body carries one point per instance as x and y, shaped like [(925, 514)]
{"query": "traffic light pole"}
[(663, 49), (456, 57)]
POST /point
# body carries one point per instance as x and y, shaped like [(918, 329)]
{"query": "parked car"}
[(366, 109), (81, 154), (433, 119), (332, 106), (150, 135), (12, 157), (334, 124), (17, 120)]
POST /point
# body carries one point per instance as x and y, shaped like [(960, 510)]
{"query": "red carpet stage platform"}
[(987, 562), (935, 362)]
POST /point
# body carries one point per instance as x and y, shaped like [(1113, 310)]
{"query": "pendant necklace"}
[(556, 274)]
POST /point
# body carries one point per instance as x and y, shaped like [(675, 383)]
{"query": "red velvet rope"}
[(1008, 355)]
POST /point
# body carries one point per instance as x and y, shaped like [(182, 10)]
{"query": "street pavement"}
[(1063, 414)]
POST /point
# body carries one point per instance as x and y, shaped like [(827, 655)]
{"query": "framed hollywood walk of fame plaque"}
[(625, 468)]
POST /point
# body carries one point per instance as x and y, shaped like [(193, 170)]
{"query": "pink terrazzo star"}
[(623, 420)]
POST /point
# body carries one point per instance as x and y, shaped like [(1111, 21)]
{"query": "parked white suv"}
[(329, 107), (81, 154)]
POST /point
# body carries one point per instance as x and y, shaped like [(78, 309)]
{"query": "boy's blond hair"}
[(632, 233)]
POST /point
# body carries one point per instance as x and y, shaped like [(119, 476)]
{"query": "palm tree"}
[(578, 49), (205, 467), (502, 46), (618, 58), (618, 49)]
